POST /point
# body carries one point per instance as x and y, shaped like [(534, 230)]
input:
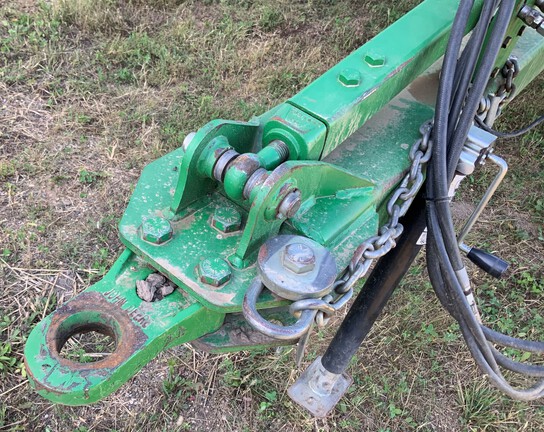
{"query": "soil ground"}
[(90, 91)]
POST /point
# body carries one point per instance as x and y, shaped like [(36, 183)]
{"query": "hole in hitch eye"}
[(88, 346), (87, 336)]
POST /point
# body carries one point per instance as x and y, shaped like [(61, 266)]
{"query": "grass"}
[(93, 90)]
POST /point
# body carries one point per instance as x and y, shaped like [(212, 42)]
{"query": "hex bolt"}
[(373, 59), (156, 230), (187, 140), (227, 219), (350, 78), (289, 205), (214, 271), (299, 258)]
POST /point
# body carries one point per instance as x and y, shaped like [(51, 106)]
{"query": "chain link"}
[(378, 245), (509, 71)]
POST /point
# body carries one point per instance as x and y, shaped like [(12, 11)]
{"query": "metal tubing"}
[(503, 168), (377, 290)]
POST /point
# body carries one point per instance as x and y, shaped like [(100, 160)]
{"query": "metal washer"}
[(314, 284)]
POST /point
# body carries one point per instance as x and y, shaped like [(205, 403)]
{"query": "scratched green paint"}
[(170, 322), (409, 47)]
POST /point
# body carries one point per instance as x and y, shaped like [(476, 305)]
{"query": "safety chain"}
[(378, 245), (509, 71), (491, 105)]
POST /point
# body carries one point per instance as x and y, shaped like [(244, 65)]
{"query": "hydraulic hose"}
[(465, 74)]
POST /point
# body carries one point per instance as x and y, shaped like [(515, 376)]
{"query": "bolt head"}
[(299, 258), (373, 59), (156, 230), (214, 271), (227, 219), (350, 78)]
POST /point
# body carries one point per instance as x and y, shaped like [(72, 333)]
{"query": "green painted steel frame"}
[(342, 204)]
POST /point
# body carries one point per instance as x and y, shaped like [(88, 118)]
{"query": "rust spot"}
[(263, 252), (219, 151), (114, 322), (278, 173), (247, 163)]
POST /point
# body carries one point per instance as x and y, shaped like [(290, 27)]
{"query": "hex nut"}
[(156, 230), (373, 59), (290, 205), (214, 271), (350, 78), (227, 219), (299, 258)]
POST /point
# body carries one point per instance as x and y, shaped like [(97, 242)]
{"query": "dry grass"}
[(91, 91)]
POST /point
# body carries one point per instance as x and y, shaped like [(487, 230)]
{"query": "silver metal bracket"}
[(319, 390)]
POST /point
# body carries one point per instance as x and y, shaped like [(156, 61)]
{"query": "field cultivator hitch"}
[(253, 232)]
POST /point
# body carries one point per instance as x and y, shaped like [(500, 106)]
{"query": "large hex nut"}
[(156, 230), (299, 258), (374, 59), (214, 271), (227, 219)]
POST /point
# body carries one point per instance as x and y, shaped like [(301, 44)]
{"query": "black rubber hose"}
[(487, 62), (512, 134), (453, 119), (468, 62), (513, 342)]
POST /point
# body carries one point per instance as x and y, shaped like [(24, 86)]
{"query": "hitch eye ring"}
[(83, 322)]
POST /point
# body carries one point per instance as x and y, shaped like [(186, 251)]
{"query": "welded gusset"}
[(111, 307)]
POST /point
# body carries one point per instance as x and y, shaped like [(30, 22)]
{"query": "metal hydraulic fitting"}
[(533, 18)]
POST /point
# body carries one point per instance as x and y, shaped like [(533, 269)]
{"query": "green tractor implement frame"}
[(321, 165)]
